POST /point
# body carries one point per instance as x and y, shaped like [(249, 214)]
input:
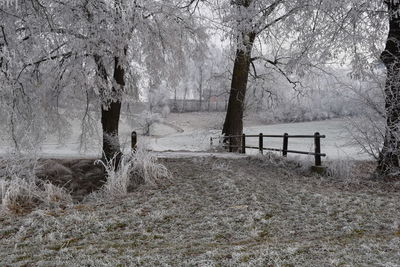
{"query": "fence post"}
[(230, 143), (243, 144), (261, 143), (134, 141), (285, 144), (317, 143)]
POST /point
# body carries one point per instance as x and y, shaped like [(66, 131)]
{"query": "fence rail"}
[(285, 146)]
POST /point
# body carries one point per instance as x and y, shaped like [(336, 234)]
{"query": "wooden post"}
[(134, 141), (243, 144), (261, 143), (285, 144), (230, 144), (317, 143)]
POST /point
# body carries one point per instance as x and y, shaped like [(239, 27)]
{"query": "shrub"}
[(19, 196), (135, 168)]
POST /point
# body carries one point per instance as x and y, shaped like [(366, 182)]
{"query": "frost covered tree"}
[(365, 34), (389, 156), (57, 57), (294, 37), (272, 32)]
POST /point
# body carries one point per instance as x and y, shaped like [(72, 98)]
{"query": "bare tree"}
[(389, 156)]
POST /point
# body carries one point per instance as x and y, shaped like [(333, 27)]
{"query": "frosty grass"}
[(217, 212)]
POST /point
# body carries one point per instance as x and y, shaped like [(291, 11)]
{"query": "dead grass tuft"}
[(135, 169), (21, 191)]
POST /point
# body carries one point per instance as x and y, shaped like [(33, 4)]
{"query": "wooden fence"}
[(285, 147)]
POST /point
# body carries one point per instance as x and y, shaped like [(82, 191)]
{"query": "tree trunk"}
[(201, 89), (110, 122), (110, 112), (175, 108), (233, 124), (184, 99), (389, 155), (209, 99)]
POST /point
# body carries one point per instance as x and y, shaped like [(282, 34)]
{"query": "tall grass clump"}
[(135, 168), (340, 169), (21, 191), (19, 196), (272, 159)]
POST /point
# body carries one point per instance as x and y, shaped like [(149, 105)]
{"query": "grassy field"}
[(256, 211)]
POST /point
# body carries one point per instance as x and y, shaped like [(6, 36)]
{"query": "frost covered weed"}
[(221, 166), (54, 194), (218, 145), (140, 167), (19, 195), (117, 180), (270, 158), (146, 169), (16, 165), (274, 160), (21, 191), (341, 169), (303, 164)]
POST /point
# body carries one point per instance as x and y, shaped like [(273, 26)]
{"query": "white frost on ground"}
[(216, 212), (334, 145), (192, 132)]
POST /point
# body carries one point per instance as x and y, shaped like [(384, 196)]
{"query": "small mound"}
[(79, 177)]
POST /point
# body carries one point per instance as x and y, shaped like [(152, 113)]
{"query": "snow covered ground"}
[(218, 212), (335, 145), (218, 209), (192, 132), (198, 128)]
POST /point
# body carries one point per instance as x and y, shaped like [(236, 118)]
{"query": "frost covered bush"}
[(19, 195), (21, 191), (158, 100), (135, 168), (147, 119), (313, 106), (367, 132), (157, 110)]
